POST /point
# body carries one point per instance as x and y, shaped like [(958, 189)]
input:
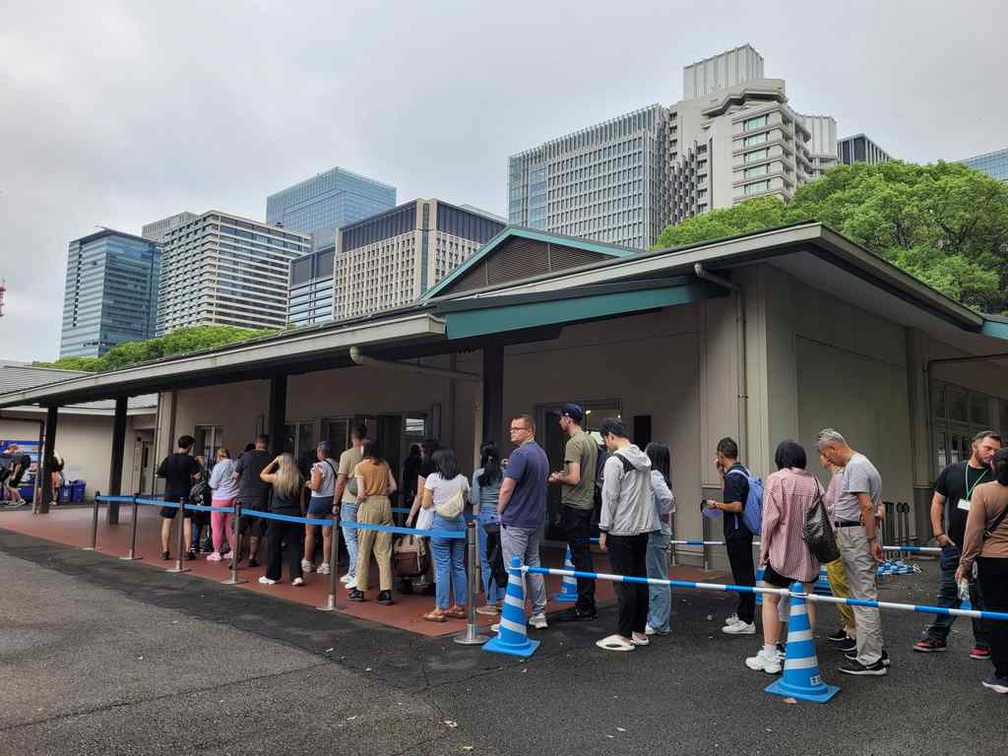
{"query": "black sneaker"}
[(253, 563), (997, 684), (878, 669), (385, 597), (355, 595), (838, 637), (574, 614), (166, 556), (190, 555), (848, 644), (884, 661)]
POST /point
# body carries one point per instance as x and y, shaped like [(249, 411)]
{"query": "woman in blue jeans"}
[(660, 597), (447, 489), (486, 483)]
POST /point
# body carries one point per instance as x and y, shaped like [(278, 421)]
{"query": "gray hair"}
[(828, 436), (323, 446)]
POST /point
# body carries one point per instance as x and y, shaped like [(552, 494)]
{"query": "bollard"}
[(235, 547), (706, 551), (330, 605), (94, 524), (131, 555), (471, 636), (181, 540)]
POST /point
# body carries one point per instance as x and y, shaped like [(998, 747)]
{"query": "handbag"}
[(452, 507), (410, 557), (818, 531)]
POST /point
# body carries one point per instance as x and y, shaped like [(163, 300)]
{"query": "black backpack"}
[(199, 494)]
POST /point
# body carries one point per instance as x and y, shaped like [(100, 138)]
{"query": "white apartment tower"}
[(221, 269), (823, 143), (733, 137)]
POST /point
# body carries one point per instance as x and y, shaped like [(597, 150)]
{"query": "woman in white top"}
[(320, 507), (445, 491), (224, 490)]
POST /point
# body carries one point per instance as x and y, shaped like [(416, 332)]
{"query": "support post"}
[(116, 465), (235, 546), (131, 555), (277, 422), (94, 524), (48, 457), (493, 394), (330, 604), (471, 636)]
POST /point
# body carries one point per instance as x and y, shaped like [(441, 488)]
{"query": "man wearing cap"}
[(577, 497)]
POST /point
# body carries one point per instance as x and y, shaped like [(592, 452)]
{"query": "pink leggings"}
[(220, 524)]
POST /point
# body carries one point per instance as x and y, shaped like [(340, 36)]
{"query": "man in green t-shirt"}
[(577, 497), (345, 497)]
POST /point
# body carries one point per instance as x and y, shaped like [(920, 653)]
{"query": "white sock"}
[(769, 649)]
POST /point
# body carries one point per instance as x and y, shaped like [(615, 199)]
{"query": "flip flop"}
[(645, 642), (615, 643), (435, 617)]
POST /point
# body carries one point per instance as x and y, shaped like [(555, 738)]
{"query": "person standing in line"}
[(287, 498), (320, 507), (410, 471), (18, 466), (985, 557), (346, 494), (577, 499), (738, 539), (224, 491), (857, 537), (522, 508), (423, 518), (951, 502), (253, 496), (627, 519), (483, 495), (375, 486), (659, 541), (179, 469), (846, 636), (444, 489), (789, 495)]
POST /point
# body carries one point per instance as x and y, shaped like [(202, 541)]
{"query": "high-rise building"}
[(622, 181), (994, 164), (158, 230), (860, 149), (390, 259), (822, 144), (320, 204), (311, 288), (221, 269), (111, 293)]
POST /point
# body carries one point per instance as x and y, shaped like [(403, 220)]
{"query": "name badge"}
[(964, 505)]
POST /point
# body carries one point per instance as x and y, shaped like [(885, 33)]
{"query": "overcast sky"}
[(117, 113)]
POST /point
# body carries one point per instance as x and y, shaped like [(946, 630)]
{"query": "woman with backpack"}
[(446, 491), (225, 489), (788, 496), (985, 554), (483, 495)]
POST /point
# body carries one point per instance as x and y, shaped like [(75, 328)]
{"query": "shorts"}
[(169, 512), (254, 526), (320, 506), (773, 578)]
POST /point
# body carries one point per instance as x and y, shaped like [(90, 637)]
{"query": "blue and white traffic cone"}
[(568, 588), (822, 586), (511, 638), (801, 667)]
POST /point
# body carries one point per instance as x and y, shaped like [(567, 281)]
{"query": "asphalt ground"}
[(100, 656)]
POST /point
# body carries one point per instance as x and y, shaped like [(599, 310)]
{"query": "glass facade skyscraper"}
[(994, 164), (319, 205), (111, 293)]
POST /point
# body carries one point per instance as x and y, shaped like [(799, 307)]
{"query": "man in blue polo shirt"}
[(522, 507)]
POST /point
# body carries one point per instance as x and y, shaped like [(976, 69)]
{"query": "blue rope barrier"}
[(128, 499), (157, 503), (459, 534), (201, 508), (972, 613)]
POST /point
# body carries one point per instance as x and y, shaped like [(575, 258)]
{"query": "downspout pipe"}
[(742, 406)]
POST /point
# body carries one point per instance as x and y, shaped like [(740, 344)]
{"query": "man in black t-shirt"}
[(180, 470), (952, 493), (253, 494), (738, 539)]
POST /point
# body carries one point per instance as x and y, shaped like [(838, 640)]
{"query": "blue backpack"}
[(752, 509)]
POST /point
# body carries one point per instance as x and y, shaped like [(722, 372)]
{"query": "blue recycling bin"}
[(79, 487), (65, 493)]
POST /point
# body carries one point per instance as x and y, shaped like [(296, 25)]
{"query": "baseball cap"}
[(573, 411)]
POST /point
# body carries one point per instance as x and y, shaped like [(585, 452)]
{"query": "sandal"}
[(435, 616), (615, 643), (456, 612)]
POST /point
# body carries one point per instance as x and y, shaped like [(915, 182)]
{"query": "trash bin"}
[(79, 487), (65, 493)]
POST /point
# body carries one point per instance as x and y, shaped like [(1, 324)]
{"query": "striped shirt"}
[(787, 496)]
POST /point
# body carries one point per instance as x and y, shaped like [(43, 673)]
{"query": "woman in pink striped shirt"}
[(788, 495)]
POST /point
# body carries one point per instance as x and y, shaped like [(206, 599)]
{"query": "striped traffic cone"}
[(568, 588), (511, 638), (801, 667)]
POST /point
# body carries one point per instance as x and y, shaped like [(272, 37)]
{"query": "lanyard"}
[(969, 488)]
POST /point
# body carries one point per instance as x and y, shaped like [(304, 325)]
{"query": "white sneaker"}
[(538, 621), (733, 620), (766, 662), (346, 578), (648, 630), (306, 566), (323, 569), (297, 581), (352, 585), (266, 581), (740, 628)]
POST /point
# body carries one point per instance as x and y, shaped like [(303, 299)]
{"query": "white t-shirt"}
[(328, 485), (442, 489)]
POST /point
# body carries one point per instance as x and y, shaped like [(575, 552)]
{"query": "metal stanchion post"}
[(672, 545), (181, 540), (330, 604), (133, 531), (235, 546), (471, 636), (706, 550), (94, 524)]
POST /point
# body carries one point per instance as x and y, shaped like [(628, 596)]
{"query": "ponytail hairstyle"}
[(1000, 464), (490, 461)]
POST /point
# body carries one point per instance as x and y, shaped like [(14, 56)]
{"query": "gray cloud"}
[(118, 113)]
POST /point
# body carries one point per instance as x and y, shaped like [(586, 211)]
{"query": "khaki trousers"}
[(837, 577), (377, 510), (860, 568)]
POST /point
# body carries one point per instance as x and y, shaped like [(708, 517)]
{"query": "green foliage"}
[(946, 224), (182, 341)]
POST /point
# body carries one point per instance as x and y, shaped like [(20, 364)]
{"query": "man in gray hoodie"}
[(628, 516)]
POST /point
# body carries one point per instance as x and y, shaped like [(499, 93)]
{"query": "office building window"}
[(756, 122), (755, 139)]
